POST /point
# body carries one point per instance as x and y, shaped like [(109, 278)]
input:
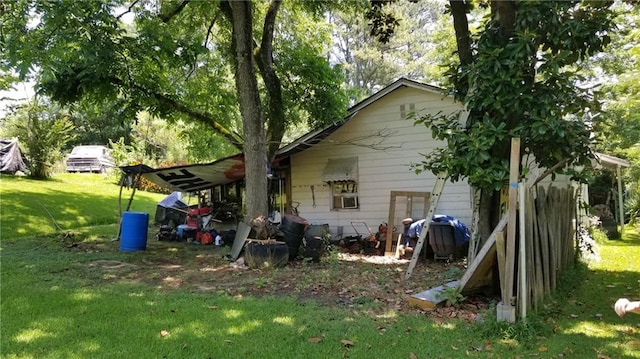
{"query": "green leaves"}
[(43, 129), (524, 84)]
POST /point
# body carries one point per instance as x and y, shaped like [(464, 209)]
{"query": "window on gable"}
[(407, 115), (342, 176)]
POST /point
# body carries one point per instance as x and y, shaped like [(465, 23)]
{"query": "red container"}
[(203, 211)]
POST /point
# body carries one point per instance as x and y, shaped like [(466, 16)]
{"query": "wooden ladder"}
[(433, 203)]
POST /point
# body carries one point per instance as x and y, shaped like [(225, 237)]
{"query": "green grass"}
[(56, 304), (70, 201)]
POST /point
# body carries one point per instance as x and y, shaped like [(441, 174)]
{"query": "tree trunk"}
[(461, 27), (276, 117), (255, 150)]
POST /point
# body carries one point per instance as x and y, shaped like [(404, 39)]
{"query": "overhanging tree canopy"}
[(180, 59)]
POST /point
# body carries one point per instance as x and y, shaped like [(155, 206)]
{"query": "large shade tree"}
[(519, 76), (246, 70)]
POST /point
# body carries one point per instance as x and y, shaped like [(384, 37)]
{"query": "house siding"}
[(384, 164)]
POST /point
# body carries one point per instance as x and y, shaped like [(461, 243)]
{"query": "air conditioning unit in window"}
[(349, 202)]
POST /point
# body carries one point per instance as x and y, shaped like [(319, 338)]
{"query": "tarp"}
[(460, 231), (174, 200), (11, 158), (192, 178)]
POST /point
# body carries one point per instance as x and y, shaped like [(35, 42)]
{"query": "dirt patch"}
[(341, 279)]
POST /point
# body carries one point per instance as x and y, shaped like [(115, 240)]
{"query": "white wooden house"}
[(346, 172)]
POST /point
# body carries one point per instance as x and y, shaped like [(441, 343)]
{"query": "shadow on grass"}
[(88, 299), (631, 237)]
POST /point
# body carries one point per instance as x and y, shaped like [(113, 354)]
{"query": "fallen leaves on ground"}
[(347, 343)]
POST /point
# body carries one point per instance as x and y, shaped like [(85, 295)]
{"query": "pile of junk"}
[(278, 238), (364, 241), (197, 223)]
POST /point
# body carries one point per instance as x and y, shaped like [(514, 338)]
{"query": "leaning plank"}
[(530, 257), (430, 298), (538, 295), (500, 253), (510, 265), (392, 211), (481, 267), (543, 231), (554, 249), (238, 242)]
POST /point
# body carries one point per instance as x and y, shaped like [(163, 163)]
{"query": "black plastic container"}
[(292, 227)]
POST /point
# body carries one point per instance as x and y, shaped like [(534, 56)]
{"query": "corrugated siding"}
[(385, 145)]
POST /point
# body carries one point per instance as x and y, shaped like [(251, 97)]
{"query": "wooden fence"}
[(550, 245)]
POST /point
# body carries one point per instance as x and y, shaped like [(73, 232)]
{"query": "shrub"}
[(44, 129)]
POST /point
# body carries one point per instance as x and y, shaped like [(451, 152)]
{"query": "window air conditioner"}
[(349, 202)]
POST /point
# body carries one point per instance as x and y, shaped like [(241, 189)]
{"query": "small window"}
[(345, 195)]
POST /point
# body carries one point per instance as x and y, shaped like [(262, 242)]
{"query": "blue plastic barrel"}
[(134, 231)]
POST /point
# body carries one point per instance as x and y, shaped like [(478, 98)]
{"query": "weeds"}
[(452, 296), (523, 332), (453, 273)]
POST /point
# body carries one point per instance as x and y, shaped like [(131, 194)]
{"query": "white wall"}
[(381, 170)]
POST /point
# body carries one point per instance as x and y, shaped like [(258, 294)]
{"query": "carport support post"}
[(620, 203)]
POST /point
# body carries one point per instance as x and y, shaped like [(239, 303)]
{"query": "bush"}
[(632, 208), (44, 129)]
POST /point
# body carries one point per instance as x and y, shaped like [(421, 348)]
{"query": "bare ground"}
[(341, 279)]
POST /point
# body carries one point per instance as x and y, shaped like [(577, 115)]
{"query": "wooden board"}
[(514, 170), (430, 298), (480, 271), (500, 253), (389, 250), (238, 242)]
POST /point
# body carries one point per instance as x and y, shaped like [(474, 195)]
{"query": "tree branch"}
[(380, 136), (213, 22), (128, 10), (264, 58), (234, 138), (461, 27), (175, 11)]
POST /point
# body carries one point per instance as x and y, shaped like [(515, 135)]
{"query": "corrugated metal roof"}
[(611, 161)]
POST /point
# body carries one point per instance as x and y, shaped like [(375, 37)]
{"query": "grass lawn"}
[(74, 294)]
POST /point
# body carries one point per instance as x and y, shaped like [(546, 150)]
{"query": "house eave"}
[(609, 161)]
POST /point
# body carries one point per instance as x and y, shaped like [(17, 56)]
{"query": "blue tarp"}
[(460, 231)]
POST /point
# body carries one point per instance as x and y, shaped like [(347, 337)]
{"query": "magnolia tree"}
[(519, 75)]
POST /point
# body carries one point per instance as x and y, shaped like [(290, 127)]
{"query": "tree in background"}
[(618, 128), (43, 129), (422, 43), (98, 120)]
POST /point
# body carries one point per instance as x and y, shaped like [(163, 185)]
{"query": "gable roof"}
[(400, 83), (311, 138), (191, 178)]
